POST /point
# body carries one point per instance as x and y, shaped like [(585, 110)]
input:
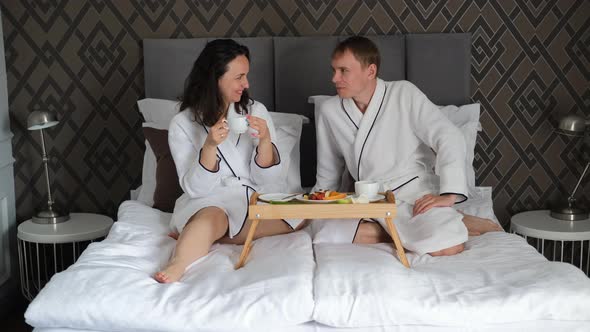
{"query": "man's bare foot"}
[(478, 226), (171, 273)]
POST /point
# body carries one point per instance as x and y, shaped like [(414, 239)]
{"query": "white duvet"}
[(497, 279), (110, 287)]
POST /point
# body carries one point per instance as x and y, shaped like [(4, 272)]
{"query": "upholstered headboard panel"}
[(168, 62), (285, 71), (440, 64)]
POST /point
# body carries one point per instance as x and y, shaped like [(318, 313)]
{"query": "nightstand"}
[(45, 249), (556, 239)]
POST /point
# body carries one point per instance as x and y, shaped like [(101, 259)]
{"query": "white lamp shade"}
[(41, 120)]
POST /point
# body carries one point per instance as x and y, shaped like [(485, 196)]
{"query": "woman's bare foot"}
[(478, 226), (171, 273)]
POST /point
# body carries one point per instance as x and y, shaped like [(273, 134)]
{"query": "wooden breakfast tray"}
[(383, 209)]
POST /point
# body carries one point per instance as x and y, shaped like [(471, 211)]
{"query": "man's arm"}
[(436, 131)]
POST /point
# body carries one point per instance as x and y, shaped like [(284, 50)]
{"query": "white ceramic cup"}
[(366, 188), (238, 124)]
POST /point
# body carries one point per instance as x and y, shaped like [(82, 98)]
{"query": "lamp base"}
[(569, 213), (50, 215)]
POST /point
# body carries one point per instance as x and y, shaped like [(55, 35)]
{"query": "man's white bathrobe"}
[(389, 143), (237, 177)]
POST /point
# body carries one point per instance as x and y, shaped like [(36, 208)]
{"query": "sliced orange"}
[(335, 195)]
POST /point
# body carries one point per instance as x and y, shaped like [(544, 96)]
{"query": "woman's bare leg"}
[(265, 228), (194, 242)]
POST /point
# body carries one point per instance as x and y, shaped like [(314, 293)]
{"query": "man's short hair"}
[(363, 49)]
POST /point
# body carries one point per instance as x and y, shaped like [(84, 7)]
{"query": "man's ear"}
[(372, 70)]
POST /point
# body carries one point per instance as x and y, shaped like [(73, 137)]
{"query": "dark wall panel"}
[(83, 59)]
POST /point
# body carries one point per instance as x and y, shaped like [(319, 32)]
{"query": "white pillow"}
[(288, 128), (316, 100), (148, 177), (159, 112), (466, 118)]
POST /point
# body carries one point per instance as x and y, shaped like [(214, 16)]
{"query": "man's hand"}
[(429, 201)]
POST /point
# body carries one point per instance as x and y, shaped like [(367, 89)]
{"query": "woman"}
[(218, 170)]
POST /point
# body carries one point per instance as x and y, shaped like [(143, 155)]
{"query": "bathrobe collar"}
[(365, 123), (229, 155)]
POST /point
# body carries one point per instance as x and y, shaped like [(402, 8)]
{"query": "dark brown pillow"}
[(167, 186)]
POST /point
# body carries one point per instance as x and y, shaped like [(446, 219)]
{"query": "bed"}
[(499, 283)]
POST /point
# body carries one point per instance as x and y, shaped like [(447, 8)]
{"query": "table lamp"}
[(572, 125), (49, 214)]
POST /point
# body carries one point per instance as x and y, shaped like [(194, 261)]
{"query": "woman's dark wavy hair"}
[(201, 90)]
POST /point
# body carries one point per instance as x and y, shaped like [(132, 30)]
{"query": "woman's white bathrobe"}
[(389, 143), (237, 177)]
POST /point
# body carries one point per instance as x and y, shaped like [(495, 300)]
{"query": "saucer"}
[(276, 197), (372, 199)]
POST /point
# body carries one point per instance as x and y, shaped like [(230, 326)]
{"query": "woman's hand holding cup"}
[(217, 133), (260, 126)]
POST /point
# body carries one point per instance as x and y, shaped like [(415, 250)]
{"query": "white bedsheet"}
[(497, 279), (110, 287)]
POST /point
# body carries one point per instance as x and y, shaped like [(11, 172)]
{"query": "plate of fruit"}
[(322, 196)]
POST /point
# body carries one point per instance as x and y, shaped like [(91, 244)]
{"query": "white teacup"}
[(238, 124), (366, 188)]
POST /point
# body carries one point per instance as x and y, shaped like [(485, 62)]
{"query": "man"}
[(383, 131)]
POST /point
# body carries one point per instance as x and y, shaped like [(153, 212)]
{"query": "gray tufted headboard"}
[(285, 71)]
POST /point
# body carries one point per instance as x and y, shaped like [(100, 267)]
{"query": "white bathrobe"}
[(237, 177), (389, 143)]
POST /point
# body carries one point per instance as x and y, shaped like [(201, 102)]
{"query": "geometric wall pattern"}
[(83, 59)]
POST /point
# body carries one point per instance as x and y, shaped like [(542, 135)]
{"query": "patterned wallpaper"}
[(83, 59)]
